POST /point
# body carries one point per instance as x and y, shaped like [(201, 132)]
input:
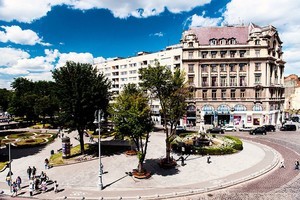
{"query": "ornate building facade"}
[(236, 73)]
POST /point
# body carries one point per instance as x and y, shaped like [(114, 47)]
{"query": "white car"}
[(246, 128), (229, 128), (180, 128)]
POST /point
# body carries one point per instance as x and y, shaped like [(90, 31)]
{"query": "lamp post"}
[(98, 119), (231, 115)]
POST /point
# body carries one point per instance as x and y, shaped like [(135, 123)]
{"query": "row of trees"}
[(78, 90)]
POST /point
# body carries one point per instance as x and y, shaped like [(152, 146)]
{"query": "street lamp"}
[(98, 119), (231, 115)]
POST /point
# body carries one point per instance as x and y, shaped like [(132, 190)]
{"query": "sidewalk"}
[(80, 180)]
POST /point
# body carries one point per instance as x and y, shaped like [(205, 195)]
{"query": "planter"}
[(131, 152), (141, 175)]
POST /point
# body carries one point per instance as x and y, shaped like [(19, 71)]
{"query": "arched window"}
[(240, 107), (213, 41), (191, 108), (231, 41), (257, 108), (223, 108), (208, 109)]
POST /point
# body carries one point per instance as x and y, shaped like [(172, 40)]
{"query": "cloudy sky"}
[(38, 35)]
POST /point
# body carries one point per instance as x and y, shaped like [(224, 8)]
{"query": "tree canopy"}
[(171, 90), (132, 117), (81, 91)]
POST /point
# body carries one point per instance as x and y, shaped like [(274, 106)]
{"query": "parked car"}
[(270, 128), (229, 128), (246, 128), (259, 130), (215, 130), (180, 129), (288, 127)]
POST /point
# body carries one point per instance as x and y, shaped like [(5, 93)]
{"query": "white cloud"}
[(30, 10), (43, 76), (283, 14), (10, 56), (99, 60), (158, 34), (197, 20), (76, 57), (16, 35)]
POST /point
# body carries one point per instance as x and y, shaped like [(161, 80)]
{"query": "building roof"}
[(204, 34)]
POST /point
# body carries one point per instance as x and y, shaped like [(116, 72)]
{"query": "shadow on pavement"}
[(153, 166)]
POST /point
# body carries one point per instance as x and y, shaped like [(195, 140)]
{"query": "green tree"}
[(132, 117), (172, 91), (81, 90), (5, 96)]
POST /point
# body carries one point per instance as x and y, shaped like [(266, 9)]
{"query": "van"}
[(288, 127)]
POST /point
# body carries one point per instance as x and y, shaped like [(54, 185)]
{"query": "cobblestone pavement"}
[(280, 184)]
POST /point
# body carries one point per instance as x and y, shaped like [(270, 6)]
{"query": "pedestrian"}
[(29, 171), (19, 181), (33, 171), (282, 164), (297, 164), (14, 189), (46, 163), (31, 187), (44, 186), (8, 180), (208, 159), (55, 187)]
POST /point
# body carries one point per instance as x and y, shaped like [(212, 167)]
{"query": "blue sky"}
[(38, 35)]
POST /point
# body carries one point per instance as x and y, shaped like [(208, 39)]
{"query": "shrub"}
[(237, 143)]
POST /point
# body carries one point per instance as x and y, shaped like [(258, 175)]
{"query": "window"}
[(214, 94), (191, 68), (223, 41), (232, 54), (232, 68), (223, 54), (232, 41), (204, 68), (213, 54), (242, 94), (204, 94), (204, 54), (232, 81), (257, 107), (214, 81), (242, 67), (257, 66), (257, 78), (242, 81), (223, 81), (257, 53), (223, 94), (191, 54), (223, 68), (214, 68), (240, 107), (257, 94), (242, 54), (191, 44), (191, 80), (204, 81), (213, 42), (123, 73), (257, 42), (232, 94), (132, 72)]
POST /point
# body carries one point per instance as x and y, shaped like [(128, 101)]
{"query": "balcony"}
[(214, 84), (204, 84)]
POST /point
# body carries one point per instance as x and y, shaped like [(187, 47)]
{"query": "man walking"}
[(29, 170)]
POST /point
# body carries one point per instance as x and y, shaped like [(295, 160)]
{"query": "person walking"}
[(29, 171), (208, 159), (55, 187), (33, 171), (14, 189), (31, 187), (46, 163), (18, 182)]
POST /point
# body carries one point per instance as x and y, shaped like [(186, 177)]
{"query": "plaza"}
[(197, 177)]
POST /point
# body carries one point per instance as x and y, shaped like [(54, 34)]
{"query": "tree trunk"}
[(80, 132), (140, 167)]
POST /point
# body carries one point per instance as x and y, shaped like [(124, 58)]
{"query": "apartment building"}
[(236, 73), (121, 71), (292, 95)]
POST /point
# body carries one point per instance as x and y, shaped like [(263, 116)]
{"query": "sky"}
[(37, 36)]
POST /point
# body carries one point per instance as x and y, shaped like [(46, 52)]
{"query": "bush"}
[(237, 143)]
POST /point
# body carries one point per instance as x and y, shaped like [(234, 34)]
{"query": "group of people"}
[(297, 164), (15, 185)]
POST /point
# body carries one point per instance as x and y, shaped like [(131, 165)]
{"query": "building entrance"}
[(208, 119), (223, 120)]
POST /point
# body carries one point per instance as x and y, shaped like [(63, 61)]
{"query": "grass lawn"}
[(2, 164)]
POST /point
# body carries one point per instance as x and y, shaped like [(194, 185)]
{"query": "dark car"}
[(259, 130), (288, 127), (269, 128), (215, 130)]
